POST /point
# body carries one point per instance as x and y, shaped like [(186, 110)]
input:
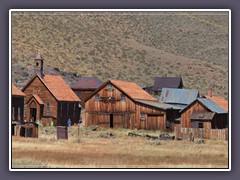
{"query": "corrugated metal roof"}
[(220, 101), (167, 82), (159, 104), (87, 83), (202, 115), (178, 96), (211, 105)]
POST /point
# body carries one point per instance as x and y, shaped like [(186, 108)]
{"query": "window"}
[(24, 109), (109, 87), (48, 109), (19, 117), (96, 97), (74, 110), (123, 97), (142, 117), (13, 113), (200, 125)]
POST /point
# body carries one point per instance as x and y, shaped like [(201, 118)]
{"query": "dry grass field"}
[(95, 149)]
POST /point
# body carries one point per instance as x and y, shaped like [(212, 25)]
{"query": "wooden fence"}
[(214, 134)]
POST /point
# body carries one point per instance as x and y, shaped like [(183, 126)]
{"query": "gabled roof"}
[(178, 96), (209, 104), (220, 101), (57, 86), (87, 83), (158, 104), (131, 89), (167, 82), (16, 91), (37, 98)]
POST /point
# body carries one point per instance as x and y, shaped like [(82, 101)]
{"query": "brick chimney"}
[(210, 92)]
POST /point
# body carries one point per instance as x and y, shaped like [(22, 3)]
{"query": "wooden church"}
[(49, 98)]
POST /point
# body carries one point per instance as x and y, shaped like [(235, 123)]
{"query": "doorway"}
[(33, 113), (111, 120)]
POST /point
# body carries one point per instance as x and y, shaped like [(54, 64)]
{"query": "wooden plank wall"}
[(185, 116), (17, 102), (213, 134), (37, 87)]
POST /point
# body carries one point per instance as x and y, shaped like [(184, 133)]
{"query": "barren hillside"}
[(127, 46)]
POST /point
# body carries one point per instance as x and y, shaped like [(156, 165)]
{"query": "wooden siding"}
[(185, 116), (17, 104), (155, 118), (123, 113), (37, 87), (83, 94), (68, 110), (219, 121)]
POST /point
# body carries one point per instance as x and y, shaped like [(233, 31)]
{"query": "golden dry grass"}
[(94, 150)]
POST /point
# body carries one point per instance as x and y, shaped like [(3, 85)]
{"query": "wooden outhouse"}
[(120, 104), (204, 113)]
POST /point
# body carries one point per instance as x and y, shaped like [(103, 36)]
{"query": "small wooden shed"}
[(204, 113)]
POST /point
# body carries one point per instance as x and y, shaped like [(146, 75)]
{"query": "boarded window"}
[(123, 97), (19, 112), (13, 113), (48, 109), (143, 117), (109, 87), (96, 97)]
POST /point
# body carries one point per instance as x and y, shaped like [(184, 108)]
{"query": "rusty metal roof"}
[(87, 83), (211, 105), (159, 105), (132, 90), (59, 88), (178, 96), (16, 91), (220, 101), (167, 82), (202, 115)]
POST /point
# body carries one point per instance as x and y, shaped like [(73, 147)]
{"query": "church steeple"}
[(38, 67)]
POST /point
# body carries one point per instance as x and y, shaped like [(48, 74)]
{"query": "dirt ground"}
[(99, 149)]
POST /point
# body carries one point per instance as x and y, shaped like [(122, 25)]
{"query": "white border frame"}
[(118, 10)]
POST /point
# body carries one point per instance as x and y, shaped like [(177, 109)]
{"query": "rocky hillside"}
[(126, 46)]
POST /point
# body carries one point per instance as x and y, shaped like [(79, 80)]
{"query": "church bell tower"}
[(38, 65)]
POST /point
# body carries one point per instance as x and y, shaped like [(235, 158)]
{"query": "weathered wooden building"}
[(166, 82), (84, 87), (17, 107), (119, 104), (204, 113), (49, 98)]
